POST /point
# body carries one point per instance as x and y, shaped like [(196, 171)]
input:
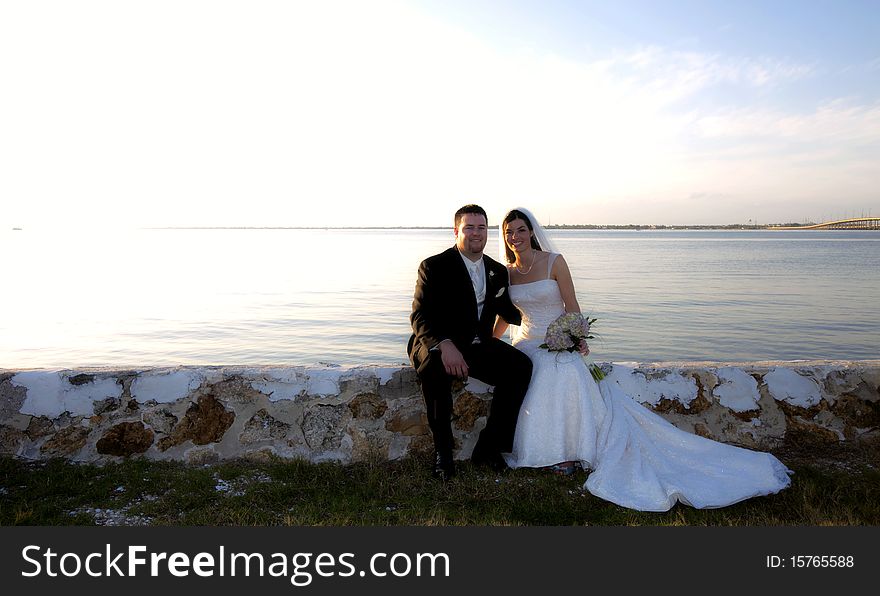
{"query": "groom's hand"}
[(453, 361)]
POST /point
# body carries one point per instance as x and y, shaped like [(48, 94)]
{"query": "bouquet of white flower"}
[(567, 333)]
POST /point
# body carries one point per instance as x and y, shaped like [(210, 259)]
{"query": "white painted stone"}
[(737, 389), (786, 385), (477, 386), (50, 394), (165, 386), (291, 383), (211, 375), (279, 383), (43, 393), (323, 382), (278, 391), (673, 386), (385, 373), (79, 399)]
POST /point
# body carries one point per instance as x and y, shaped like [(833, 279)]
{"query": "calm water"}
[(296, 297)]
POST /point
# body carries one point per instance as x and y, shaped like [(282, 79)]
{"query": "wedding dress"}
[(637, 458)]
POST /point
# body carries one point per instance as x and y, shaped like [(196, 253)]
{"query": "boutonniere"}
[(491, 273)]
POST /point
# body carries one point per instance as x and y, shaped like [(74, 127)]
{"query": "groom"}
[(458, 294)]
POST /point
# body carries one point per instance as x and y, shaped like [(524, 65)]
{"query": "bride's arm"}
[(562, 276), (500, 327)]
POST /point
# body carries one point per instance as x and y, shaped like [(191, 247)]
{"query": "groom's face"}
[(471, 234)]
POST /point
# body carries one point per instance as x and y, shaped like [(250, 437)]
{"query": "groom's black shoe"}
[(444, 467)]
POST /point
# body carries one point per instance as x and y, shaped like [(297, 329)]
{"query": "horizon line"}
[(495, 226)]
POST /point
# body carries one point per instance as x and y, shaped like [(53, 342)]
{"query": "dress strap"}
[(550, 260)]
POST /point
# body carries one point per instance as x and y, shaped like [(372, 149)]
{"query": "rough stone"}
[(106, 405), (19, 421), (697, 406), (11, 440), (205, 422), (801, 433), (359, 384), (706, 380), (234, 390), (792, 411), (368, 405), (11, 398), (368, 447), (161, 420), (296, 442), (125, 439), (201, 456), (746, 439), (857, 412), (702, 430), (402, 384), (409, 420), (66, 441), (260, 456), (467, 408), (80, 379), (39, 426), (844, 381), (263, 427), (323, 426), (421, 444)]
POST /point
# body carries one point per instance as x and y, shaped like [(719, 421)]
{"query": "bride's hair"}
[(512, 215)]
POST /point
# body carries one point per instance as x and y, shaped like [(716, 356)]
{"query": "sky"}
[(395, 113)]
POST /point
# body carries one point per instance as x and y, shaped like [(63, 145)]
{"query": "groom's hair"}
[(474, 209)]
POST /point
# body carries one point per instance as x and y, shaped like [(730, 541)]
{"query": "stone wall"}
[(204, 414)]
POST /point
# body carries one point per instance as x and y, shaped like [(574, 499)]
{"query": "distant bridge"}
[(855, 223)]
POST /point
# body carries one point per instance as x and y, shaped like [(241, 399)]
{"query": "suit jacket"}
[(445, 306)]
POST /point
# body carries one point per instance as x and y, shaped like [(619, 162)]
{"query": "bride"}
[(637, 459)]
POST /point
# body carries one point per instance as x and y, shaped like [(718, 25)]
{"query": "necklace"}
[(526, 272)]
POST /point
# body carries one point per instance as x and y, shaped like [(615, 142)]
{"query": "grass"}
[(831, 486)]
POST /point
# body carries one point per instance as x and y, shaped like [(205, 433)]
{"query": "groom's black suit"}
[(445, 307)]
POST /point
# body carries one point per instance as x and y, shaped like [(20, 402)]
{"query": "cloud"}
[(836, 121), (671, 75)]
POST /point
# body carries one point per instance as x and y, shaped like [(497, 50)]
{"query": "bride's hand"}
[(583, 348)]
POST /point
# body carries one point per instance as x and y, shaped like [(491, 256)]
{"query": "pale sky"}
[(225, 113)]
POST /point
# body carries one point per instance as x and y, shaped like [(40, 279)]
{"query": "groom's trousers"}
[(495, 363)]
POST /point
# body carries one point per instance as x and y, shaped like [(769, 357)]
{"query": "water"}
[(299, 297)]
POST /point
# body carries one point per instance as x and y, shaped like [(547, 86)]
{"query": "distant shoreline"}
[(549, 227), (635, 227)]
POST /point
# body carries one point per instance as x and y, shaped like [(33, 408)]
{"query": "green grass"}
[(836, 488)]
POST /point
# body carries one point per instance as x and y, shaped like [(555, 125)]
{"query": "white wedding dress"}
[(638, 459)]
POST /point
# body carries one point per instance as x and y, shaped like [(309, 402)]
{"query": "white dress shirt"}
[(477, 272)]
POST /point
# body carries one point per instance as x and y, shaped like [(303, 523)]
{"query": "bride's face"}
[(517, 235)]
